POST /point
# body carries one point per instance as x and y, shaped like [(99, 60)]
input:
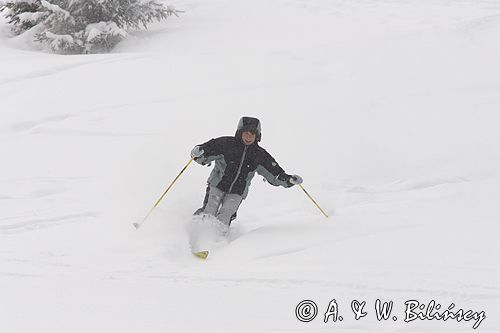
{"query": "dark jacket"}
[(236, 164)]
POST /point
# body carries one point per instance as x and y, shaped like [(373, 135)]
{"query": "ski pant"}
[(222, 205), (205, 201)]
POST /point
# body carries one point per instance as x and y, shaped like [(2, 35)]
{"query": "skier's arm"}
[(210, 151), (272, 172)]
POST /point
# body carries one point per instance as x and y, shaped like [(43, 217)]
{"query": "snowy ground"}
[(389, 110)]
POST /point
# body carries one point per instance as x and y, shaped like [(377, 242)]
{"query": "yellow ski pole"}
[(137, 225), (303, 189)]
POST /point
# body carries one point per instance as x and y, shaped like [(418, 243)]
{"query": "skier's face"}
[(248, 138)]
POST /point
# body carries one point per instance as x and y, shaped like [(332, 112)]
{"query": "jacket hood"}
[(249, 124)]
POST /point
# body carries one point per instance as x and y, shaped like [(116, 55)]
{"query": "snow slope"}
[(389, 110)]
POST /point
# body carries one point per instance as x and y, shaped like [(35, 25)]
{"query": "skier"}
[(237, 158)]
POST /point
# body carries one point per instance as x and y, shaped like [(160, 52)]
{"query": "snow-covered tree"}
[(82, 26), (22, 15)]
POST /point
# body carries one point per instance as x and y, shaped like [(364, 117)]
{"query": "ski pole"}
[(303, 189), (137, 225)]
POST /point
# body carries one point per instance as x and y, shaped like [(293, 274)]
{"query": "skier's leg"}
[(205, 200), (230, 204), (215, 197), (233, 217)]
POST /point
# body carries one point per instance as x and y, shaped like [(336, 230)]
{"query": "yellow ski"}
[(201, 254)]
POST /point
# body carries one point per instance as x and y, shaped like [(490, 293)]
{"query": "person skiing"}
[(237, 158)]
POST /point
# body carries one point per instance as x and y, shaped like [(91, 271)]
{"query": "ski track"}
[(466, 293), (38, 187), (19, 275), (29, 125), (83, 133), (34, 224), (55, 70), (488, 22), (57, 125), (408, 185)]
